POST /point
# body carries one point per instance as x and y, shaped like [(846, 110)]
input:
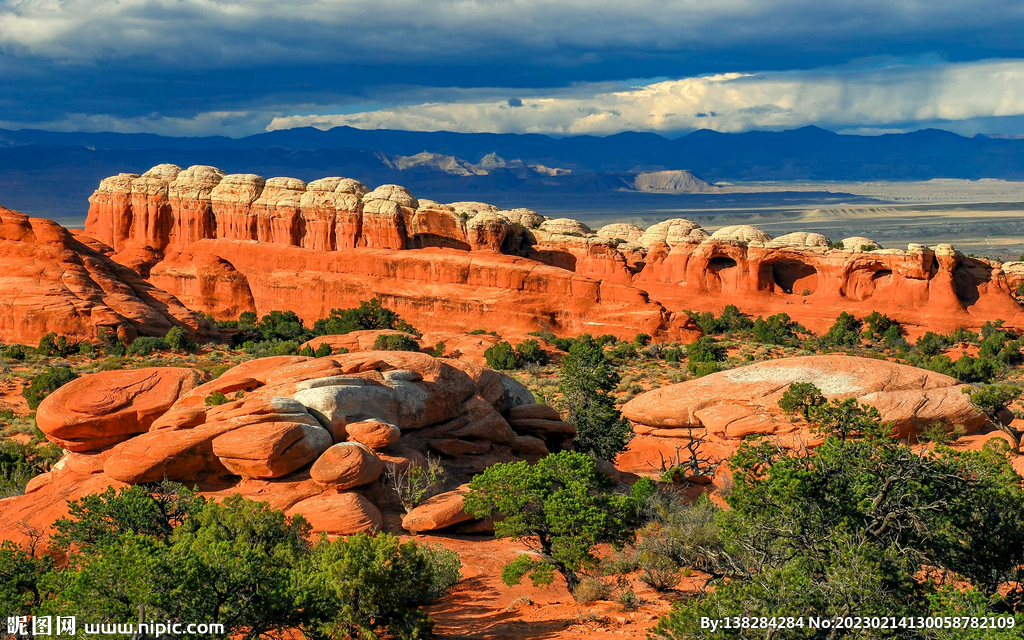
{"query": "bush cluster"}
[(46, 383), (504, 357), (870, 524), (179, 557)]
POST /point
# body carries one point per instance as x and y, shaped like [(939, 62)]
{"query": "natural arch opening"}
[(882, 277), (795, 277), (967, 284), (716, 266), (721, 262)]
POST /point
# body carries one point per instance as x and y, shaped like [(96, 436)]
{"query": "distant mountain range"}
[(52, 173)]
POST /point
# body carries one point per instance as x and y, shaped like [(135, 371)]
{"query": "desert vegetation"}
[(161, 552), (859, 522)]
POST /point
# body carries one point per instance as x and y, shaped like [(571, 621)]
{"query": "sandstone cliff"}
[(54, 282), (225, 244)]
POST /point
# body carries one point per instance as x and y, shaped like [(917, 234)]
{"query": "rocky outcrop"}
[(308, 435), (53, 281), (97, 411), (728, 406), (359, 241)]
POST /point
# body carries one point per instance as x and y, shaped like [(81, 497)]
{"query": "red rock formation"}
[(110, 210), (728, 406), (674, 263), (55, 282), (191, 207), (922, 288), (273, 440), (96, 411), (277, 212), (232, 200), (433, 289), (385, 210)]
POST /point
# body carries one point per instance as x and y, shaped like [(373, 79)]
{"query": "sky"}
[(240, 67)]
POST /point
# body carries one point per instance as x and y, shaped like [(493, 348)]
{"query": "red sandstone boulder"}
[(533, 412), (373, 433), (744, 401), (270, 449), (443, 510), (347, 465), (102, 409), (341, 514), (174, 455)]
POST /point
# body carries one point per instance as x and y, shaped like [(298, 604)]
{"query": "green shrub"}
[(563, 344), (544, 335), (705, 349), (501, 356), (563, 505), (368, 315), (931, 344), (776, 329), (306, 351), (961, 336), (844, 333), (801, 397), (323, 350), (477, 332), (145, 346), (46, 383), (673, 354), (605, 340), (730, 320), (641, 339), (19, 463), (216, 399), (994, 398), (587, 382), (438, 350), (374, 586), (53, 345), (854, 526), (396, 342), (623, 351), (529, 352), (178, 340), (15, 352), (701, 369), (268, 348), (878, 324)]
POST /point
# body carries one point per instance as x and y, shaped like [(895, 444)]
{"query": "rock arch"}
[(792, 276), (720, 268)]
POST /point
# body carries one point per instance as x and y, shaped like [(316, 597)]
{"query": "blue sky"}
[(237, 67)]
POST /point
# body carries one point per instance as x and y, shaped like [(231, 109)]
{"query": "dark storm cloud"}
[(202, 66)]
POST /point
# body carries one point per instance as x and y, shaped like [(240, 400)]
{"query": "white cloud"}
[(861, 99)]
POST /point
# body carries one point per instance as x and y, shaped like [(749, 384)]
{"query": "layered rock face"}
[(728, 406), (55, 282), (168, 220), (225, 244), (311, 436)]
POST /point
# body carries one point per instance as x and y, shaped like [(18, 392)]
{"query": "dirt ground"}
[(481, 607)]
